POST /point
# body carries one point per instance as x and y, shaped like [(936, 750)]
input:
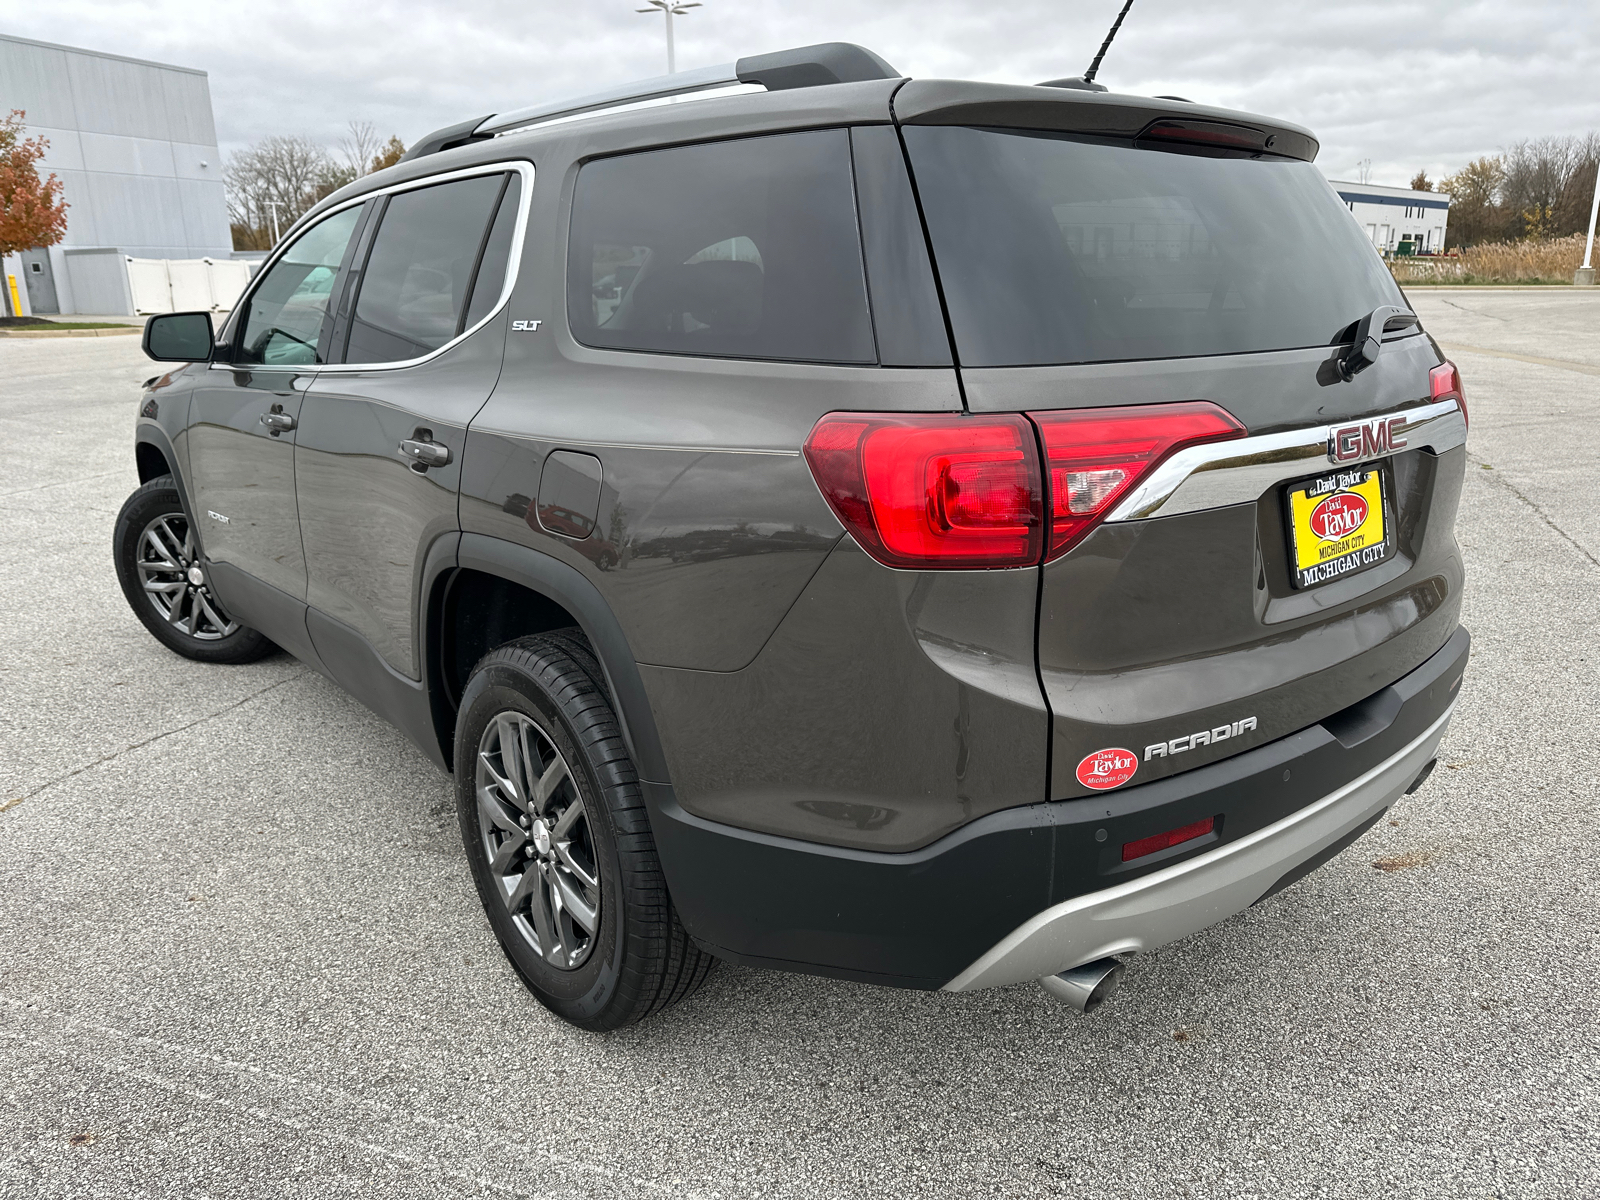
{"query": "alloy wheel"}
[(175, 582), (535, 833)]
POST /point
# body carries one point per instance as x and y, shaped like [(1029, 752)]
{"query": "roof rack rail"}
[(805, 66)]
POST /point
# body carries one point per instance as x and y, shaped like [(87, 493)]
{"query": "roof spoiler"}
[(803, 67)]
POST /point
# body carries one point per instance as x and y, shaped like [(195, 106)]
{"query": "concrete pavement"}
[(241, 955)]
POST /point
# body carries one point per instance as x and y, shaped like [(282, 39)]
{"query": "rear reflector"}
[(1161, 841), (1094, 456), (1444, 383), (933, 490)]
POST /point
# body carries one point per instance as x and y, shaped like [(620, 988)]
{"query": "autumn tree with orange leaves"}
[(32, 212)]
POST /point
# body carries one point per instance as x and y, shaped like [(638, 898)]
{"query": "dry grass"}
[(1532, 260)]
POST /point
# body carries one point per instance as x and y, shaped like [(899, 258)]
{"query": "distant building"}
[(1393, 216), (135, 147)]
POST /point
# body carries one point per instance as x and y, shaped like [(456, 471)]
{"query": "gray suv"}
[(929, 533)]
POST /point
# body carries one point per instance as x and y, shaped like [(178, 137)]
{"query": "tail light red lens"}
[(1096, 456), (922, 490), (1162, 841), (1444, 383)]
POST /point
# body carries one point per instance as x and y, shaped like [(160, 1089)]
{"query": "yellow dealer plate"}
[(1338, 524)]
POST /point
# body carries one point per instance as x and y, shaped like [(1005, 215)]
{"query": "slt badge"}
[(525, 326)]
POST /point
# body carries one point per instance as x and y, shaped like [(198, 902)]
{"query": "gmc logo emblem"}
[(1369, 439)]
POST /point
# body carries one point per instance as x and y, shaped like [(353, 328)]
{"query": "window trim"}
[(524, 206)]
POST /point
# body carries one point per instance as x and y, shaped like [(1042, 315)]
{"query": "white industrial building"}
[(1392, 215), (135, 147)]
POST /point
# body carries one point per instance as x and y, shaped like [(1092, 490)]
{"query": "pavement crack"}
[(105, 758), (1561, 364), (1500, 480), (44, 487), (1475, 312)]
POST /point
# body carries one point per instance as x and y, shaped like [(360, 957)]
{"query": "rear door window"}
[(424, 261), (1056, 248), (742, 249)]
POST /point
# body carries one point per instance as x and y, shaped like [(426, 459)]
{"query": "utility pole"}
[(1584, 275), (273, 204), (670, 9)]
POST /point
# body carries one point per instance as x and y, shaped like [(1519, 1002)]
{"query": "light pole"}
[(671, 9), (1584, 276)]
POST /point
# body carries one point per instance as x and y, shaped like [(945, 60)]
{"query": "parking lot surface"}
[(241, 955)]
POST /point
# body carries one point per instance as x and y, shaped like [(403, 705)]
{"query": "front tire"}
[(558, 839), (162, 575)]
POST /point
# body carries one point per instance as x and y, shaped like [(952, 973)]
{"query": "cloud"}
[(1407, 84)]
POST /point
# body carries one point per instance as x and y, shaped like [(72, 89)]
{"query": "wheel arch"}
[(154, 457), (526, 591)]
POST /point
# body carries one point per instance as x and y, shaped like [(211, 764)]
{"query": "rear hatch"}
[(1169, 295)]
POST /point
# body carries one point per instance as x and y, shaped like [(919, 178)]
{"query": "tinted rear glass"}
[(1056, 249), (744, 248)]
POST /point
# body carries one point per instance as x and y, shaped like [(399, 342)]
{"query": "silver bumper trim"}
[(1199, 892)]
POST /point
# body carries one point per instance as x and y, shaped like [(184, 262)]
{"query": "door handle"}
[(425, 454), (277, 422)]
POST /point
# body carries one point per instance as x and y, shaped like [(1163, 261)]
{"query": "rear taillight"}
[(926, 490), (1444, 383), (933, 490), (1095, 456)]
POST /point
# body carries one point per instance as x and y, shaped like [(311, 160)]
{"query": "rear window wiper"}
[(1368, 335)]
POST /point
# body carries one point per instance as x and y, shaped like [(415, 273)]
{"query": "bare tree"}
[(1538, 193), (360, 146), (273, 182)]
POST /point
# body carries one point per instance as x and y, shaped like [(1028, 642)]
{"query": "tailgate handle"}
[(1365, 719)]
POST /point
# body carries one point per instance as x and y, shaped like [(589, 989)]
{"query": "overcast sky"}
[(1430, 83)]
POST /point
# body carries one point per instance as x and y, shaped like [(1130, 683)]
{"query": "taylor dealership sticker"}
[(1107, 769)]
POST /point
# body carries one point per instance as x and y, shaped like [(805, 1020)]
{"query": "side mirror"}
[(179, 337)]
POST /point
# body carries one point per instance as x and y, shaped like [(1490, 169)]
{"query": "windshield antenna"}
[(1088, 76)]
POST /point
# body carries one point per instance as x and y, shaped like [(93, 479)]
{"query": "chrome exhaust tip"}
[(1087, 987)]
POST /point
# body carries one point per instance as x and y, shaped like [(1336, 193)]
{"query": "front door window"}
[(283, 325)]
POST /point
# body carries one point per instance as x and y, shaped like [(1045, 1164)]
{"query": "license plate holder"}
[(1339, 523)]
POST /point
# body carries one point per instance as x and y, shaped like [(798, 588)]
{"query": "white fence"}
[(163, 285)]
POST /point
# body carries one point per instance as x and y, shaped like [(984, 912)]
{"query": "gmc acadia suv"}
[(931, 533)]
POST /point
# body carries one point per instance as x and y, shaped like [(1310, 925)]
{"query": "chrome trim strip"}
[(1237, 472), (1195, 894), (627, 93), (525, 202)]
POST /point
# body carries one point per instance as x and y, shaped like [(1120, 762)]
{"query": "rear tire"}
[(159, 566), (559, 842)]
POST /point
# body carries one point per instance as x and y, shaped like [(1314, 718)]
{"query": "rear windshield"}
[(1055, 248)]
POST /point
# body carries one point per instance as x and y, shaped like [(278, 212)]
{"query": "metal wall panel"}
[(122, 155), (205, 219), (113, 96), (34, 79), (83, 224), (65, 152), (137, 211), (188, 100), (99, 282)]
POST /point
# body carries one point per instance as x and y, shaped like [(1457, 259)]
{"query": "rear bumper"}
[(1197, 893), (1032, 890)]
